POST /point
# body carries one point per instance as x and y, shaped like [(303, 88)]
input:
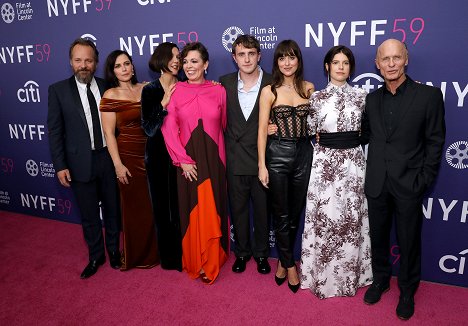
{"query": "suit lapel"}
[(255, 109), (234, 94), (77, 100)]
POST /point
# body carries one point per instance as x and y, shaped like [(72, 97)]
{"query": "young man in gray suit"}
[(80, 155), (243, 91)]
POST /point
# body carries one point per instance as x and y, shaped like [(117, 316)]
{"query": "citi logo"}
[(368, 81), (151, 2), (32, 168), (229, 36), (457, 155), (8, 13), (29, 92), (448, 263)]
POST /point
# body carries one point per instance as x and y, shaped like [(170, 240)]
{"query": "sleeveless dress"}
[(139, 235), (336, 256), (194, 134)]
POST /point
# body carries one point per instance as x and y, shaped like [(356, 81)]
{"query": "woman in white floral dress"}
[(335, 257)]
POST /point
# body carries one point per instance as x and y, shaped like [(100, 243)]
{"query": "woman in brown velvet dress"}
[(121, 109)]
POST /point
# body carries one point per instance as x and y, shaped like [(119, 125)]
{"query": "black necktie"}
[(95, 116)]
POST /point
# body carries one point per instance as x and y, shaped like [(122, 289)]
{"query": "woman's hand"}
[(272, 128), (167, 95), (263, 176), (190, 171), (122, 173)]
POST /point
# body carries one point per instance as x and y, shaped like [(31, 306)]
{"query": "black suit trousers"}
[(241, 189), (102, 187), (408, 222)]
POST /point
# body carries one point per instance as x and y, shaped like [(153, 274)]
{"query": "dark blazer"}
[(241, 135), (69, 139), (410, 155)]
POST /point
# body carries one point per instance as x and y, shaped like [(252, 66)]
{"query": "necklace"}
[(288, 86)]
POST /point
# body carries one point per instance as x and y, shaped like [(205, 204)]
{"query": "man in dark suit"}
[(243, 92), (406, 129), (80, 154)]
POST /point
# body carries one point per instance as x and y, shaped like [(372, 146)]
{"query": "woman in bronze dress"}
[(121, 109)]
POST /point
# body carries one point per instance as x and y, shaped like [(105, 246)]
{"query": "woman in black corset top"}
[(284, 159)]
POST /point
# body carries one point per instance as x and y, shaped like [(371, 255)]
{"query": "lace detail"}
[(291, 120)]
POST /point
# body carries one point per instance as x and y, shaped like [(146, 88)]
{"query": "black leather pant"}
[(288, 163)]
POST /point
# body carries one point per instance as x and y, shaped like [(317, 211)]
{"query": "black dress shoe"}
[(114, 259), (92, 267), (405, 308), (239, 264), (374, 292), (263, 267)]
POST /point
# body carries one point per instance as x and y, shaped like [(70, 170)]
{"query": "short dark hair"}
[(247, 41), (195, 46), (339, 49), (109, 68), (161, 56), (84, 42)]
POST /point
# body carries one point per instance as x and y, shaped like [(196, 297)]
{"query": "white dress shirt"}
[(87, 111)]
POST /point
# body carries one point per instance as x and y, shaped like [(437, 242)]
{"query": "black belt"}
[(340, 140)]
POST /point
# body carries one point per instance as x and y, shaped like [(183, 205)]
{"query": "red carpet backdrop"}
[(34, 41)]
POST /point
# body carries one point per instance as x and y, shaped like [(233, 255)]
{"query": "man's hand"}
[(64, 177)]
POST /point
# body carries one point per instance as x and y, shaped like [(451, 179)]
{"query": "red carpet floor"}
[(40, 285)]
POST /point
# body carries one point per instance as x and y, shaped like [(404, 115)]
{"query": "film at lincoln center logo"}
[(457, 155), (8, 13), (229, 36)]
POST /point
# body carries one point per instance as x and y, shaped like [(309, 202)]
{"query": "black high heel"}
[(294, 288), (280, 280)]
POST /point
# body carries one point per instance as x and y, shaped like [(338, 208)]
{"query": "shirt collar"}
[(332, 88), (83, 86), (240, 82), (400, 89)]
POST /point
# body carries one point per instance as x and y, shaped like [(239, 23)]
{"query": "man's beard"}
[(84, 76)]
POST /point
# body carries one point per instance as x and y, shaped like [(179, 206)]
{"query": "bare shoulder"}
[(266, 91), (111, 93)]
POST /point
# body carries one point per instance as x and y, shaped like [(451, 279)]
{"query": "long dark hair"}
[(109, 68), (283, 49)]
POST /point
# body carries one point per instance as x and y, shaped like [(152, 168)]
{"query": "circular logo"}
[(8, 13), (229, 36), (32, 168), (368, 81), (457, 155)]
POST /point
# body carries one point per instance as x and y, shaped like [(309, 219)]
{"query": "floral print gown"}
[(336, 255)]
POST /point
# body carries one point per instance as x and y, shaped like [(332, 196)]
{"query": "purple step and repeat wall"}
[(34, 41)]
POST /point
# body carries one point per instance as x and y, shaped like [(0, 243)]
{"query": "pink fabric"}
[(190, 103)]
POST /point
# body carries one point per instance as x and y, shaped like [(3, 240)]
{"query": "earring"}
[(162, 72), (328, 77), (205, 72)]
